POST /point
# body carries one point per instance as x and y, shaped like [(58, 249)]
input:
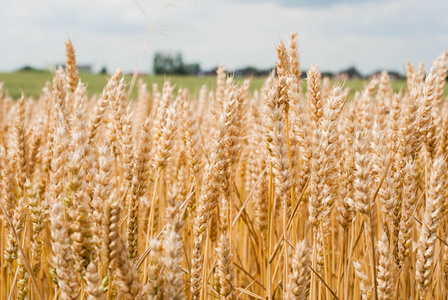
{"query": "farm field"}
[(31, 83), (223, 150), (201, 188)]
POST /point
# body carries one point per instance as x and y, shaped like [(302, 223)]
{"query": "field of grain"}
[(31, 83), (279, 190)]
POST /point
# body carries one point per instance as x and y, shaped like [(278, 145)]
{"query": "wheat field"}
[(283, 193)]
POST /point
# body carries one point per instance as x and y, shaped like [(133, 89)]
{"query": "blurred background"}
[(347, 39)]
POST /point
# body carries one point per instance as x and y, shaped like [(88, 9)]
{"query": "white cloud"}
[(367, 34)]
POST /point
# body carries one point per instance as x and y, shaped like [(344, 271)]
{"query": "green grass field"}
[(31, 83)]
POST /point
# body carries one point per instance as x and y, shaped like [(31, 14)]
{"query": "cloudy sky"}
[(336, 34)]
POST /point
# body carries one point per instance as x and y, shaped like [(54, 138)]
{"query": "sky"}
[(371, 35)]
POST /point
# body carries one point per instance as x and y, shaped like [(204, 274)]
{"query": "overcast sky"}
[(336, 34)]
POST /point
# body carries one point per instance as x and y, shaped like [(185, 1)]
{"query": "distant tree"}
[(165, 63), (250, 71), (192, 69), (178, 65), (28, 69), (327, 74), (352, 72), (103, 70)]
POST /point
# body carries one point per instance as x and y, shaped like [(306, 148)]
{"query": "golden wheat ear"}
[(70, 66)]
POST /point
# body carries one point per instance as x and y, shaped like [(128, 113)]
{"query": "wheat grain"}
[(217, 194)]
